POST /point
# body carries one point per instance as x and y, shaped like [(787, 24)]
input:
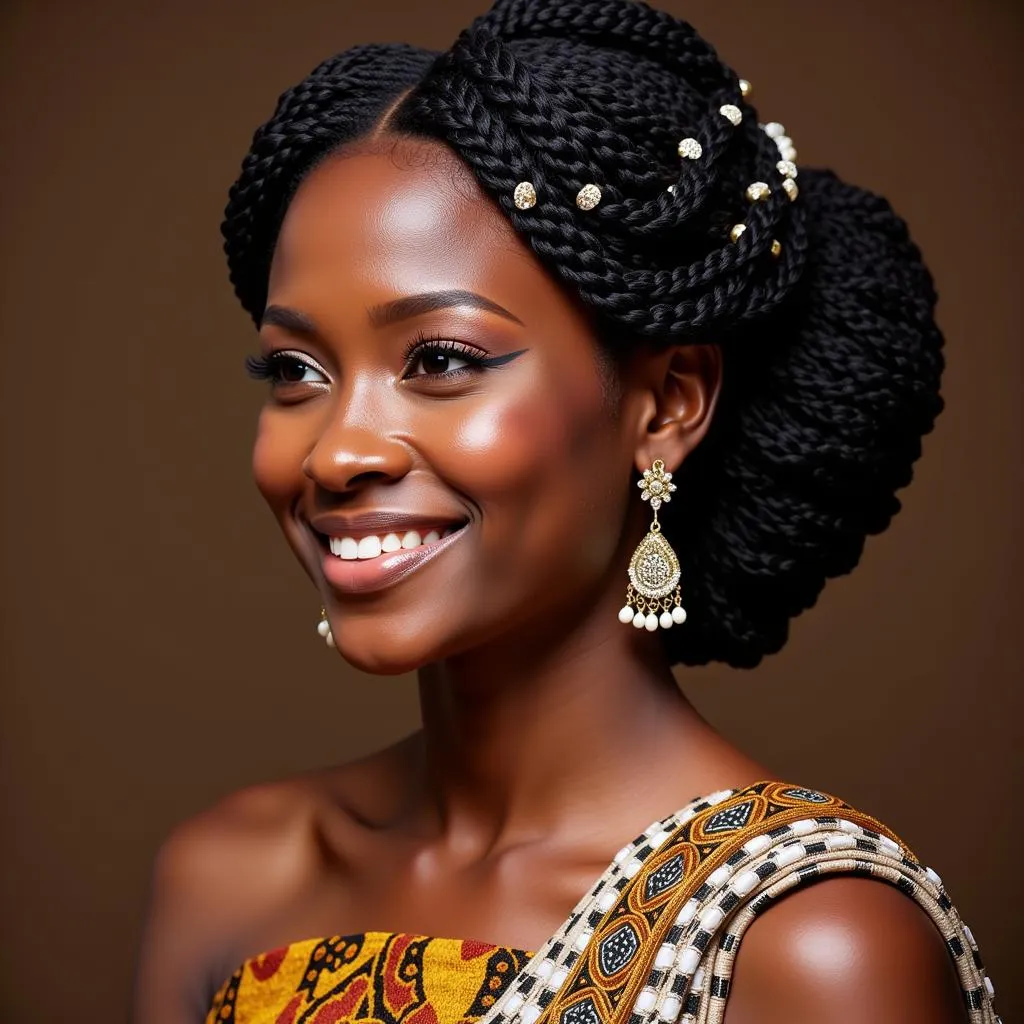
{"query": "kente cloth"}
[(652, 942)]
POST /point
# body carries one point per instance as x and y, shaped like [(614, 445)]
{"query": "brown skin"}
[(551, 733)]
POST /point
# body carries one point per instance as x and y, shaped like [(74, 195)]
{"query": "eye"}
[(286, 368), (442, 357)]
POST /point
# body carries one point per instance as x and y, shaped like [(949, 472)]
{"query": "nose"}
[(355, 450)]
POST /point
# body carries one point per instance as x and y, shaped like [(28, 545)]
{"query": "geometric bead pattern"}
[(663, 878), (719, 862), (583, 1012), (730, 819), (810, 795), (616, 950)]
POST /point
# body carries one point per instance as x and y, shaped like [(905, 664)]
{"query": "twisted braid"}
[(832, 357), (341, 100)]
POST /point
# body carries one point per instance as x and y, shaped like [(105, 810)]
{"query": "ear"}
[(679, 388)]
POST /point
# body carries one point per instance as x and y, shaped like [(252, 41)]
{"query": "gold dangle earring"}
[(323, 627), (654, 568)]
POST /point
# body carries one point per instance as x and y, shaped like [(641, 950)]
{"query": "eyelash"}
[(424, 343), (263, 368)]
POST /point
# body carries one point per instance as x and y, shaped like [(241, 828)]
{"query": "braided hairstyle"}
[(832, 356)]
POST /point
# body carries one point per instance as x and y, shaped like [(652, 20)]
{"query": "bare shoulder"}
[(222, 874), (253, 834), (847, 950), (213, 874)]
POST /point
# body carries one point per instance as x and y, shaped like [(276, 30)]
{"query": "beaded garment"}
[(653, 942)]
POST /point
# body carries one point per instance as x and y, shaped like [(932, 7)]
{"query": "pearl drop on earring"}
[(323, 627)]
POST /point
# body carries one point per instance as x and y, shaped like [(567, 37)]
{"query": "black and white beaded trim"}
[(526, 999), (689, 980)]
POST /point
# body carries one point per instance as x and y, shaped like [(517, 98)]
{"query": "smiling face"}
[(441, 445)]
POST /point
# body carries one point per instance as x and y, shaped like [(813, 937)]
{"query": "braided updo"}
[(832, 356)]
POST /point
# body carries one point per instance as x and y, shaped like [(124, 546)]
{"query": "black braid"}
[(832, 356)]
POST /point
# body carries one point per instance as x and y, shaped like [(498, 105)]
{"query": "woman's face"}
[(441, 445)]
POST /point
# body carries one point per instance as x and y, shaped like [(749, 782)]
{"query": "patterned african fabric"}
[(381, 977), (652, 942)]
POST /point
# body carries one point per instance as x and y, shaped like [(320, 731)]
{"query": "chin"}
[(371, 647)]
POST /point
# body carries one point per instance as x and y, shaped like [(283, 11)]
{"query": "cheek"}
[(277, 455), (544, 467)]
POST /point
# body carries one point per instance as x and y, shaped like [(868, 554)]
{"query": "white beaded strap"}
[(536, 984), (695, 988)]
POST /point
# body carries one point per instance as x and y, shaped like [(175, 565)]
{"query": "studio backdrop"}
[(159, 645)]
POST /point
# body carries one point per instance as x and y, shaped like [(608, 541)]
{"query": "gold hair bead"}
[(745, 88), (758, 192), (731, 113), (776, 247), (737, 230), (786, 168), (691, 149), (790, 188), (525, 195), (588, 197)]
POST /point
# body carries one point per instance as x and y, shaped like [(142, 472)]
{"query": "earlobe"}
[(684, 388)]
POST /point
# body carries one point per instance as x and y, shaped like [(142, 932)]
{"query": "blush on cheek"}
[(276, 465), (500, 450)]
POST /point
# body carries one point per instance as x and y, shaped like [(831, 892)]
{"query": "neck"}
[(522, 740)]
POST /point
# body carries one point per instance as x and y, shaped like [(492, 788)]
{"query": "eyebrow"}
[(289, 319), (429, 302), (392, 312)]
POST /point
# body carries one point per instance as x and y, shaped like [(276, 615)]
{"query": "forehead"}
[(401, 218)]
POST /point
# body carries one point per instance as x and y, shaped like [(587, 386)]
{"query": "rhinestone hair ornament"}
[(690, 149)]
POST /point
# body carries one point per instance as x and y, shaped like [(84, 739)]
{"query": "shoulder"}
[(212, 875), (211, 855), (843, 947), (222, 874)]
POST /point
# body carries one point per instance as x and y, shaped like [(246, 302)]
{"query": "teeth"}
[(349, 548), (369, 547)]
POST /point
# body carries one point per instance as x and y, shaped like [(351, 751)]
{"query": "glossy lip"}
[(379, 524), (370, 575)]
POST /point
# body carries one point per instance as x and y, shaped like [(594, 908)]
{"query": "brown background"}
[(158, 645)]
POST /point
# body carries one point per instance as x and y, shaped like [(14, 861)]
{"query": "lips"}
[(368, 552)]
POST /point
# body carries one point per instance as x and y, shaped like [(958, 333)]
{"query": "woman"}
[(497, 289)]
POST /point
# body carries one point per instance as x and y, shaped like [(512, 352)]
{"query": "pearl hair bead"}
[(773, 129), (737, 230), (731, 113), (745, 88), (776, 247), (790, 188), (786, 168), (758, 191), (786, 148)]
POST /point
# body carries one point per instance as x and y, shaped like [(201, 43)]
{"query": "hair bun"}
[(820, 427)]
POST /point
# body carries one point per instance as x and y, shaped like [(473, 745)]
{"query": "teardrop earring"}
[(654, 568), (323, 627)]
